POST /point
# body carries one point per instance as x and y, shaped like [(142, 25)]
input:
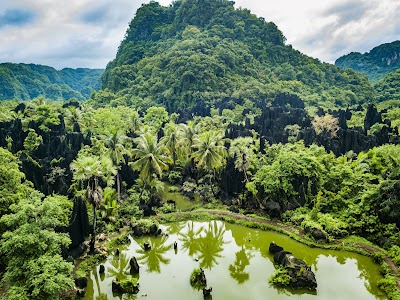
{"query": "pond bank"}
[(232, 256), (294, 232)]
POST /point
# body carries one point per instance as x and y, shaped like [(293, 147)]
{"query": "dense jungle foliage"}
[(202, 99), (119, 159), (376, 63), (176, 57), (29, 81)]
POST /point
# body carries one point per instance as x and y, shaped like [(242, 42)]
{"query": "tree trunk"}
[(244, 189), (144, 187), (211, 186), (93, 240), (118, 187)]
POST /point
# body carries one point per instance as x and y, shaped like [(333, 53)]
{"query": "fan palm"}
[(90, 169), (115, 143), (154, 257), (210, 152), (73, 118)]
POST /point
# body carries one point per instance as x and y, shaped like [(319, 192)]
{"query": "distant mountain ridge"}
[(376, 63), (28, 81)]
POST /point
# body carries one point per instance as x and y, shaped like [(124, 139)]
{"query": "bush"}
[(166, 208), (174, 177), (130, 285), (145, 224), (394, 253), (280, 277), (102, 297), (119, 240), (389, 286), (198, 279), (173, 189)]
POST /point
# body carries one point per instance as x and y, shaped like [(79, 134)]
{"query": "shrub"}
[(280, 277), (326, 124), (389, 286), (198, 279), (166, 208), (394, 253), (174, 177)]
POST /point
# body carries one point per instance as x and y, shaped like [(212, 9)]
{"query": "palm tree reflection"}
[(237, 268), (175, 227), (119, 266), (190, 239), (207, 242), (211, 245), (155, 256)]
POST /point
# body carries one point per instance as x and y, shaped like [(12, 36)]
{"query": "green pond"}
[(182, 203), (236, 263)]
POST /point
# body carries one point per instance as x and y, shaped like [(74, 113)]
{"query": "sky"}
[(87, 33)]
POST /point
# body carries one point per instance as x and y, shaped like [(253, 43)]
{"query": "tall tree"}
[(152, 158), (242, 150), (73, 118), (89, 169), (210, 153), (115, 142), (171, 141)]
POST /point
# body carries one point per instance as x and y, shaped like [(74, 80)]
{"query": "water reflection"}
[(190, 238), (205, 242), (154, 257), (237, 265), (237, 269), (119, 266), (175, 228)]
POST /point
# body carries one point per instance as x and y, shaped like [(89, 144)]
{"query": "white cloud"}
[(87, 33), (328, 29)]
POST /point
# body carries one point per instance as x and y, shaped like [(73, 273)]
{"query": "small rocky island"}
[(294, 272)]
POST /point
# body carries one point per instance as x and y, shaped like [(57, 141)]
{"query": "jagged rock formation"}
[(48, 166), (272, 128)]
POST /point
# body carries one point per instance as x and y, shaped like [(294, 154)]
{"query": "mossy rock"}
[(198, 279), (125, 286)]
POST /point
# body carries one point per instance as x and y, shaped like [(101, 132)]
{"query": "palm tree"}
[(188, 136), (73, 118), (237, 269), (171, 141), (210, 152), (90, 169), (152, 158), (116, 151), (135, 122), (119, 267), (242, 149), (109, 202)]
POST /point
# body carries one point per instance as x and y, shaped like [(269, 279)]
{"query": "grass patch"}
[(280, 277), (86, 266)]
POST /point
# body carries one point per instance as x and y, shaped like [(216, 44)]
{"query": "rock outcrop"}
[(301, 275)]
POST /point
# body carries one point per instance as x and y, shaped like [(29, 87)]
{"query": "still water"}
[(236, 263)]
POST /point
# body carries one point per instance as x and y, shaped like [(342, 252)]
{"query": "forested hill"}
[(388, 88), (375, 64), (207, 53), (28, 81)]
